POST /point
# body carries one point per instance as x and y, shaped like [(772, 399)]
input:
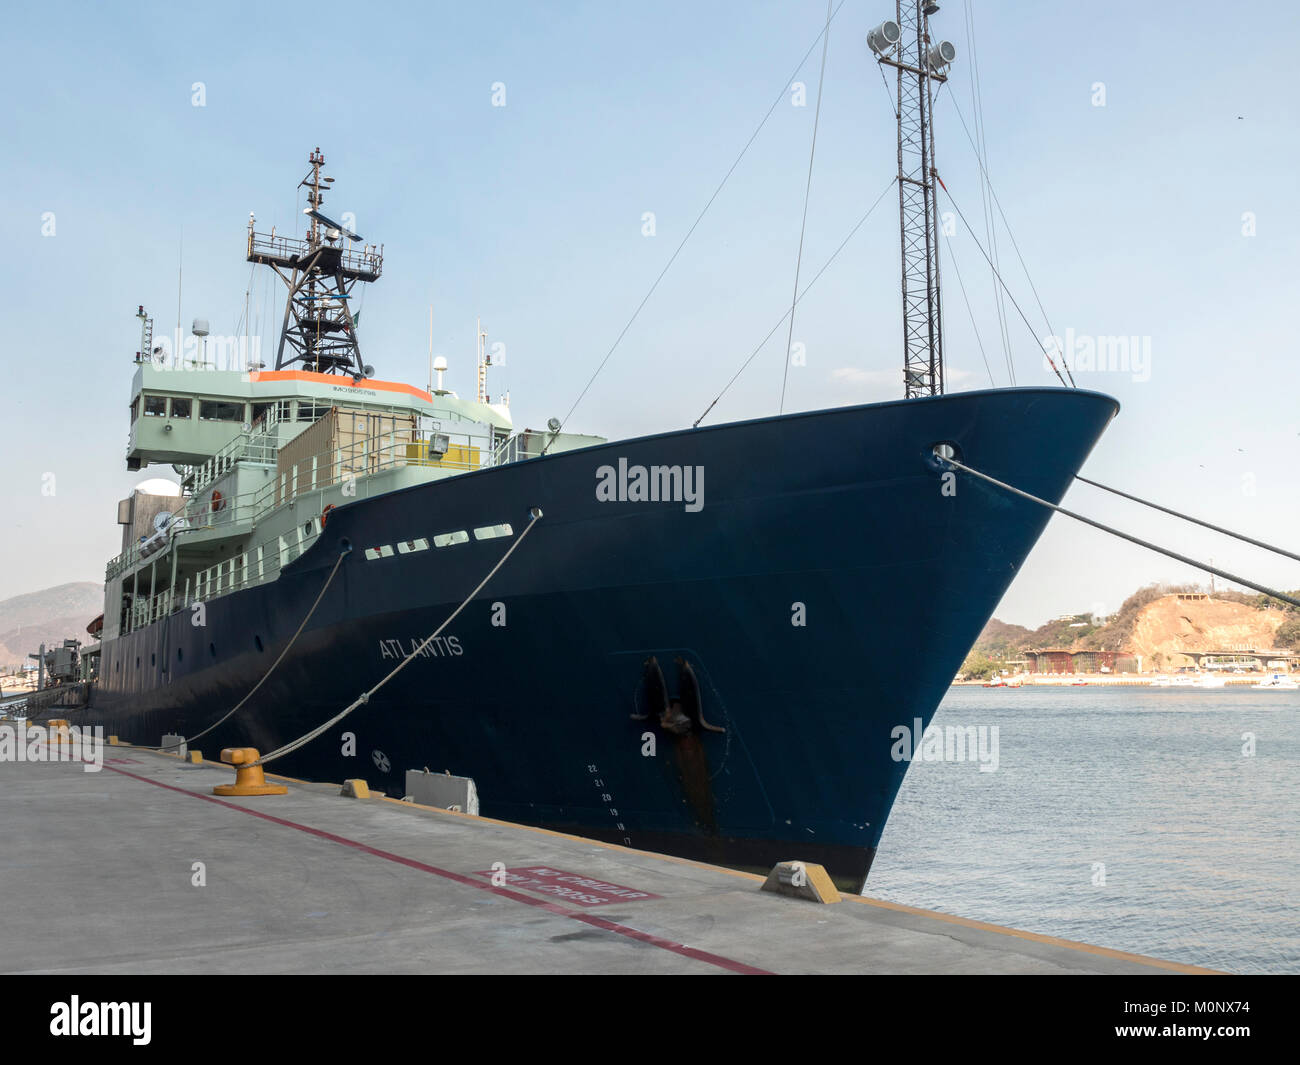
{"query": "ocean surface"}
[(1124, 817)]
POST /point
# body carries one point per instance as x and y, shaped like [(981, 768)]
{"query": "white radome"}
[(158, 486)]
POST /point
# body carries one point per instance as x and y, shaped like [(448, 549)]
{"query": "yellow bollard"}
[(58, 731), (249, 779)]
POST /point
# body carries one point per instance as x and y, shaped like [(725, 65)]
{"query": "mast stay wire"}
[(966, 299), (694, 225), (981, 151), (1007, 225), (763, 343), (807, 193), (996, 274)]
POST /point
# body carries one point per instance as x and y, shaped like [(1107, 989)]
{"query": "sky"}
[(1145, 157)]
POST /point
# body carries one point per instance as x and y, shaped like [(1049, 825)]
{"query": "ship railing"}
[(246, 447), (368, 260), (345, 472)]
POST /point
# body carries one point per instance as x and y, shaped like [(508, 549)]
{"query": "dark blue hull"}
[(842, 511)]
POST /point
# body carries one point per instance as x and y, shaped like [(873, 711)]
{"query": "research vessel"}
[(705, 641)]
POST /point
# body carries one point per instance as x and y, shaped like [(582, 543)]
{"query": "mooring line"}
[(230, 713), (533, 515), (1187, 517), (1264, 589)]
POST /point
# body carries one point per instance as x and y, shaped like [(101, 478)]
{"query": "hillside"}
[(1171, 625), (1155, 624), (48, 616)]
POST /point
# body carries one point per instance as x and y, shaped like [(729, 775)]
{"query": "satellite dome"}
[(159, 486)]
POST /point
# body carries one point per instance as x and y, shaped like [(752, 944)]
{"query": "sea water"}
[(1159, 821)]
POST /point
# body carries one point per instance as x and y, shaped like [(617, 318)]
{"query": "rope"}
[(169, 746), (364, 697), (743, 366), (1188, 517), (1281, 596), (807, 193), (619, 339)]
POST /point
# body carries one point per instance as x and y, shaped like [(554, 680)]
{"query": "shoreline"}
[(1099, 680)]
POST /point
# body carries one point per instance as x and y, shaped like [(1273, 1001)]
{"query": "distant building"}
[(1060, 660)]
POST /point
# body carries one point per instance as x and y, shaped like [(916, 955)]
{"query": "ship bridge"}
[(183, 416)]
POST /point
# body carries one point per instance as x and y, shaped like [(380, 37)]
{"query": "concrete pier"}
[(139, 868)]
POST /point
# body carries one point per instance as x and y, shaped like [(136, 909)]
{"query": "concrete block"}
[(442, 790), (355, 789)]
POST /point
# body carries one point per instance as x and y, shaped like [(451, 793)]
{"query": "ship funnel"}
[(883, 38)]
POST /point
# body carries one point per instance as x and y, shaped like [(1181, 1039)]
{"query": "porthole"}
[(153, 660), (180, 654), (212, 650)]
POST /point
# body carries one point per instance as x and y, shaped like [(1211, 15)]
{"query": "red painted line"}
[(550, 907)]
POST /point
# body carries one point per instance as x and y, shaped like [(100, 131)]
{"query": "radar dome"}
[(157, 486)]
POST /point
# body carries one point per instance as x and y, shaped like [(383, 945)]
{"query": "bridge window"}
[(155, 406), (135, 409), (260, 409), (182, 408), (310, 412), (212, 410)]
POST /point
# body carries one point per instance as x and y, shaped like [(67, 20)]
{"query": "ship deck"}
[(316, 882)]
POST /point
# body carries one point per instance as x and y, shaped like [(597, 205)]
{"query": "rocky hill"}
[(1170, 625), (48, 616), (1157, 622)]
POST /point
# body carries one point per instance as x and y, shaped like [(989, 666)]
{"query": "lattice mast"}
[(319, 330), (905, 45)]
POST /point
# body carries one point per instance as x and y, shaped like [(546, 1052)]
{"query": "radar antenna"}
[(319, 331)]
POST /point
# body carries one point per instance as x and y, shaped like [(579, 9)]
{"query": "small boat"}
[(1277, 682), (1160, 682)]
